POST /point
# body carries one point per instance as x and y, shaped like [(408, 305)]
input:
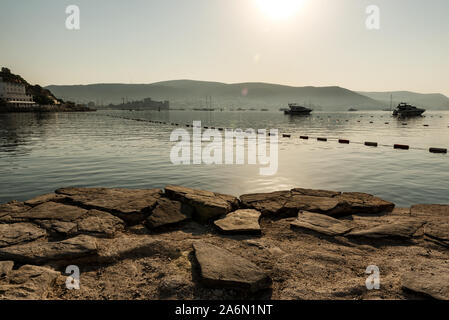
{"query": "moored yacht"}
[(407, 110), (296, 109)]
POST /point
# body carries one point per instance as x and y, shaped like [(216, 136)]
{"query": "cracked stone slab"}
[(8, 210), (29, 282), (221, 268), (56, 226), (401, 211), (403, 228), (321, 223), (288, 203), (93, 222), (41, 252), (437, 230), (266, 203), (99, 223), (207, 205), (357, 202), (44, 198), (430, 210), (431, 280), (53, 210), (315, 193), (16, 233), (130, 205), (243, 221), (168, 212), (312, 203)]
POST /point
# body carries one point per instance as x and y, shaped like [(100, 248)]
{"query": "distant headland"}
[(17, 95)]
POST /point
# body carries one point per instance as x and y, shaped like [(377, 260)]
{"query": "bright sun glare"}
[(279, 9)]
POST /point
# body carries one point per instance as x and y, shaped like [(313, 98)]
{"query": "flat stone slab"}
[(207, 205), (404, 228), (221, 268), (315, 192), (44, 198), (438, 231), (12, 208), (99, 223), (288, 203), (357, 202), (431, 280), (5, 267), (28, 283), (430, 210), (130, 205), (321, 223), (168, 212), (16, 233), (71, 220), (312, 203), (244, 221), (65, 228), (401, 211), (41, 252), (436, 217), (266, 203), (53, 210)]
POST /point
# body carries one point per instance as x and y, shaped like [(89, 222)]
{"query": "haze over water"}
[(42, 152)]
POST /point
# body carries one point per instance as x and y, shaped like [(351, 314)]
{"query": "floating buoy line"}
[(307, 137)]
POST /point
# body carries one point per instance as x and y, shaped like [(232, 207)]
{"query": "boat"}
[(352, 109), (296, 109), (407, 110)]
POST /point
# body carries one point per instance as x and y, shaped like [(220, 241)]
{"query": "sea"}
[(128, 149)]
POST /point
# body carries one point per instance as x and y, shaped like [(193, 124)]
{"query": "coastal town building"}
[(149, 103), (145, 104), (14, 94)]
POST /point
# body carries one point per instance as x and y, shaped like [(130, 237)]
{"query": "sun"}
[(279, 9)]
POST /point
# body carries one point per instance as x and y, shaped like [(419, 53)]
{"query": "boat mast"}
[(391, 102)]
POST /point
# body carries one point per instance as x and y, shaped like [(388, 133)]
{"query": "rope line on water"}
[(307, 137)]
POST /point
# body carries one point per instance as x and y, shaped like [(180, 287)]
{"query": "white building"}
[(15, 94)]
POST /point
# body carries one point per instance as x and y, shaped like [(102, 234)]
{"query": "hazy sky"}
[(324, 42)]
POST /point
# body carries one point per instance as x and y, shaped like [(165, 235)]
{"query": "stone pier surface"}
[(183, 243)]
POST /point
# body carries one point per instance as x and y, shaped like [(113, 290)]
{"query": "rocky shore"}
[(181, 243)]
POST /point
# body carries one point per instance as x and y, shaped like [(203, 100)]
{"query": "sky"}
[(312, 42)]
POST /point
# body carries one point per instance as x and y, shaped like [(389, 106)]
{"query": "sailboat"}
[(208, 105), (391, 104)]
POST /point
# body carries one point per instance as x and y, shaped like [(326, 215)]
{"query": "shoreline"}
[(45, 109), (182, 243)]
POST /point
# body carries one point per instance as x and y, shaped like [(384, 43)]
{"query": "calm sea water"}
[(40, 153)]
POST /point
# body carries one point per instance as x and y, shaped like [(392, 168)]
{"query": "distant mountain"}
[(192, 94), (434, 101)]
